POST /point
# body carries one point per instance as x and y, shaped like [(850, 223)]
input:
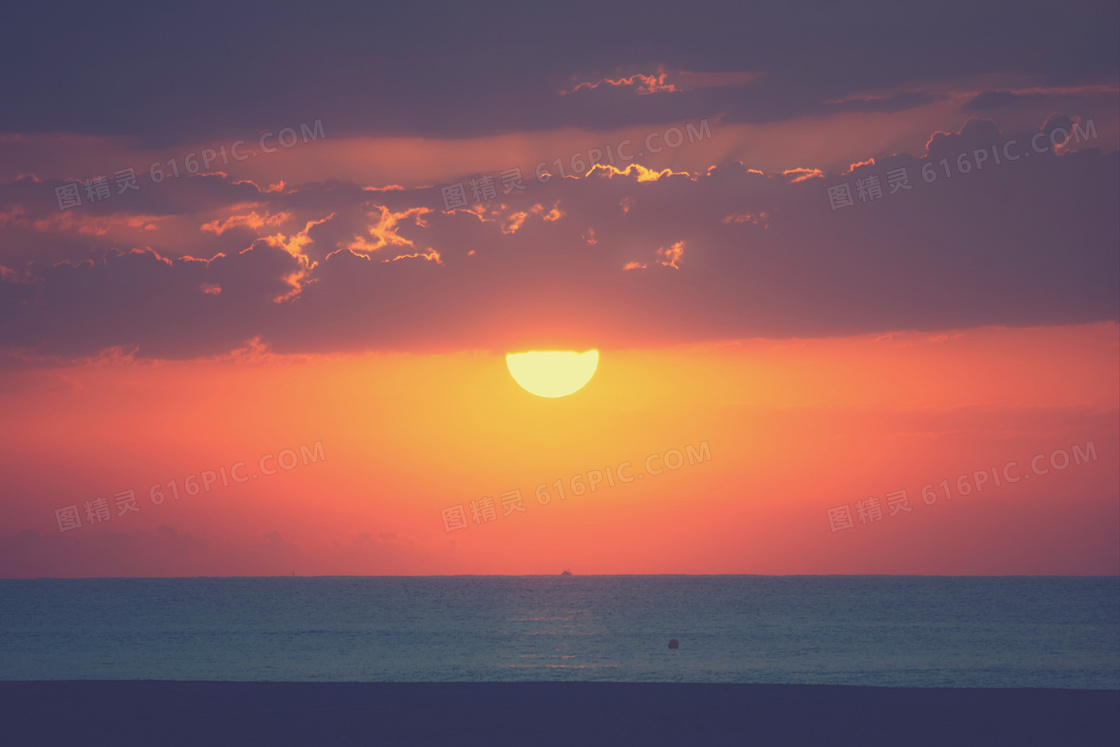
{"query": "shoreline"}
[(125, 712)]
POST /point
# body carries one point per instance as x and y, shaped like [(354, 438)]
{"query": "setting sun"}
[(552, 373)]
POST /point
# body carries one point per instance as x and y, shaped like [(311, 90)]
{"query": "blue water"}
[(873, 630)]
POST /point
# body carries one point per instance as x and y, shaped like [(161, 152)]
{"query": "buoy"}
[(674, 644)]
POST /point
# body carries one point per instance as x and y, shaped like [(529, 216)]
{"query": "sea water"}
[(892, 631)]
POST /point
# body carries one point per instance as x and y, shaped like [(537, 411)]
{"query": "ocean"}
[(890, 631)]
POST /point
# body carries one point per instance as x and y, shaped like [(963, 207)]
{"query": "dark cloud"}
[(1073, 98), (890, 104), (1030, 241), (201, 71), (137, 298), (999, 99)]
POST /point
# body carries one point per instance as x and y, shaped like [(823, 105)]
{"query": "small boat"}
[(566, 573)]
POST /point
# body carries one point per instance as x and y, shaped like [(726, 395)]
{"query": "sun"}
[(552, 373)]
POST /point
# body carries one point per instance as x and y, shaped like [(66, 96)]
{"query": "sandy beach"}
[(577, 713)]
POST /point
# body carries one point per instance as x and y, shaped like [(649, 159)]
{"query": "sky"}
[(852, 273)]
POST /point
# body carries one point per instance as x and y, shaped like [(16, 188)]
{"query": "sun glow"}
[(552, 373)]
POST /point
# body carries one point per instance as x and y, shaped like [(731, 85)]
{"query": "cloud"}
[(486, 71), (892, 103), (737, 253), (668, 81), (1056, 96), (252, 220)]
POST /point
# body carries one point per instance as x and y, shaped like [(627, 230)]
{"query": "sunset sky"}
[(823, 259)]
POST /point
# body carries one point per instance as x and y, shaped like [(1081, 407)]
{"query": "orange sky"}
[(872, 262), (794, 428)]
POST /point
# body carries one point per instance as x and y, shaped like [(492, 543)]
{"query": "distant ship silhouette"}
[(566, 573)]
